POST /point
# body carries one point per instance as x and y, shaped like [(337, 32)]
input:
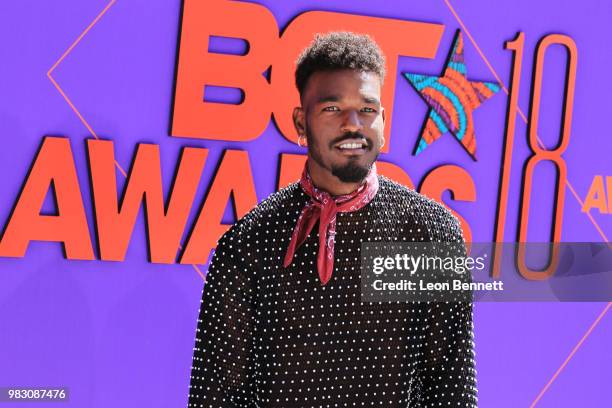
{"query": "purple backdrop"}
[(121, 334)]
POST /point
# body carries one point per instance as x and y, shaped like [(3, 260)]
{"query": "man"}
[(281, 322)]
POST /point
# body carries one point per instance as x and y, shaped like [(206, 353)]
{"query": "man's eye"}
[(369, 110), (331, 108)]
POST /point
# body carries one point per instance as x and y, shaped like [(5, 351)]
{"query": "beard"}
[(351, 172)]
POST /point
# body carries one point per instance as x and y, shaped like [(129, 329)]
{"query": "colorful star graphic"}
[(452, 98)]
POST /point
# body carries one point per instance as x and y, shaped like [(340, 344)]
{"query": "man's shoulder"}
[(414, 205), (278, 204), (410, 199)]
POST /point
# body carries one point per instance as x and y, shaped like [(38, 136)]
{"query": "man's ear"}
[(382, 112), (299, 121)]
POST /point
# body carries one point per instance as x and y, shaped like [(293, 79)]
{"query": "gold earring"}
[(300, 137)]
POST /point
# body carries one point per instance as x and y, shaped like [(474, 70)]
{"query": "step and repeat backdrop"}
[(136, 132)]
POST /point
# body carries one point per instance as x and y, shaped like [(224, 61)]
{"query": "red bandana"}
[(323, 207)]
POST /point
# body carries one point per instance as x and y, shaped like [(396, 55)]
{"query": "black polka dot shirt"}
[(270, 336)]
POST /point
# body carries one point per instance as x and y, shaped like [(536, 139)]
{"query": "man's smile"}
[(352, 147)]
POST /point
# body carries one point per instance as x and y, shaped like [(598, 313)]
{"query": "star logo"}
[(451, 98)]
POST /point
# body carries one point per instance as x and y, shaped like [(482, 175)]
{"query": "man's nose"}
[(351, 121)]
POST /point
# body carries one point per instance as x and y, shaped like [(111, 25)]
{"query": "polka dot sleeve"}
[(448, 374), (222, 360)]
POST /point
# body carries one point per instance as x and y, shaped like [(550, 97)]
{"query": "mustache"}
[(351, 135)]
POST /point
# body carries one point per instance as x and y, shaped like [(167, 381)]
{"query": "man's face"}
[(343, 121)]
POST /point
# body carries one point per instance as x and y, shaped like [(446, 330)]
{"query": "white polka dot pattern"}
[(270, 336)]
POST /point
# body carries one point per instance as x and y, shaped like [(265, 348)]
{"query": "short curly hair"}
[(339, 50)]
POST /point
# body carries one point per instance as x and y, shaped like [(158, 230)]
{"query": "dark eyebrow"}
[(328, 98), (335, 98)]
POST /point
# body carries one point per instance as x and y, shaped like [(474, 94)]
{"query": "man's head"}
[(339, 77)]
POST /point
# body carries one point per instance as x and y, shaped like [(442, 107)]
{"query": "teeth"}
[(351, 146)]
